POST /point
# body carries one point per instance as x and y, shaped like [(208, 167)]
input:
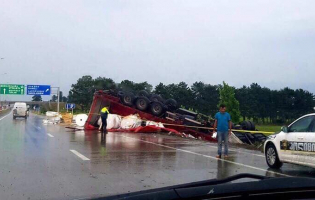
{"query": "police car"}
[(294, 144)]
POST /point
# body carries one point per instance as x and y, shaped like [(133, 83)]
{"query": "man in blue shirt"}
[(223, 125)]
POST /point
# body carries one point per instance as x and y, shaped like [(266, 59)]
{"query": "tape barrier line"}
[(207, 128), (235, 130)]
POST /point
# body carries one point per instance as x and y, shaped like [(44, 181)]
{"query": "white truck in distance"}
[(20, 110)]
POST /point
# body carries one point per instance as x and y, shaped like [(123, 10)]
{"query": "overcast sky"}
[(240, 42)]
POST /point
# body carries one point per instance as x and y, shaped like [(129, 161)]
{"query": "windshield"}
[(99, 98)]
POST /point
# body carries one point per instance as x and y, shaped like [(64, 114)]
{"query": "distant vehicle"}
[(294, 144), (20, 110)]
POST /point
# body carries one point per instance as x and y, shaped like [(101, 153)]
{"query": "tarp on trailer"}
[(148, 129)]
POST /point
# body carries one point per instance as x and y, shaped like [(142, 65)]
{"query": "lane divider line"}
[(5, 116), (50, 135), (230, 149), (238, 151), (79, 155), (203, 155)]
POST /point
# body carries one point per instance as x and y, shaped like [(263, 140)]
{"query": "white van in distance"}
[(20, 110)]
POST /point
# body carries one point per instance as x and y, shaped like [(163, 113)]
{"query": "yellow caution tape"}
[(208, 128)]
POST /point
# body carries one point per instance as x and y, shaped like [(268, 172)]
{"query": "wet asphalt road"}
[(51, 162)]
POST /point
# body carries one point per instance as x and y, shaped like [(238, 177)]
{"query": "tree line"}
[(254, 102)]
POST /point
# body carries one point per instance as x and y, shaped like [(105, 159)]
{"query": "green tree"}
[(162, 90), (127, 85), (143, 86), (37, 98), (182, 94), (206, 97), (242, 95), (227, 97), (102, 83), (82, 92), (60, 96), (53, 98), (64, 99)]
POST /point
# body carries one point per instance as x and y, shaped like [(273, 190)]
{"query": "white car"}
[(294, 144), (20, 110)]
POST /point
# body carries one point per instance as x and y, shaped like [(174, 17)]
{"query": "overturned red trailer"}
[(103, 98)]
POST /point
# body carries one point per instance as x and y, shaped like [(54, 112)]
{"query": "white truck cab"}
[(20, 110), (294, 144)]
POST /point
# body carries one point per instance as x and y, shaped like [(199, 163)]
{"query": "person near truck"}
[(223, 126), (104, 115)]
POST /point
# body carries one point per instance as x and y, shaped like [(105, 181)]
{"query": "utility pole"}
[(58, 94), (58, 99), (3, 74)]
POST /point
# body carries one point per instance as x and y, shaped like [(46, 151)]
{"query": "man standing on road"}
[(104, 115), (223, 125)]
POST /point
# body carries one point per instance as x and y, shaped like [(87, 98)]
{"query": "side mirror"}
[(284, 129)]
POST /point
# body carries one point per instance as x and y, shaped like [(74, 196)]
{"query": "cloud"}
[(53, 42)]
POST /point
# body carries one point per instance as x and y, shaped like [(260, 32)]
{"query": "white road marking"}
[(5, 116), (215, 147), (211, 157), (79, 155), (50, 135), (238, 151)]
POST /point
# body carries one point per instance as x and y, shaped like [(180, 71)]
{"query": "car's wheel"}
[(272, 157), (142, 103), (143, 93), (157, 108), (128, 99), (171, 104), (156, 98)]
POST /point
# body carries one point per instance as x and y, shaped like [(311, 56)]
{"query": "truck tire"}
[(142, 103), (156, 98), (252, 125), (171, 104), (143, 93), (246, 125), (128, 99), (157, 108), (120, 93), (272, 157)]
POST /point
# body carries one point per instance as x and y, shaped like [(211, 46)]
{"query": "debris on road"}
[(80, 120), (67, 118), (52, 118)]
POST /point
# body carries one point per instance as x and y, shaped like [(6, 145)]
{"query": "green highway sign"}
[(12, 89)]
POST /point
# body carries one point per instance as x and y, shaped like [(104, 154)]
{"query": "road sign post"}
[(58, 94), (70, 106)]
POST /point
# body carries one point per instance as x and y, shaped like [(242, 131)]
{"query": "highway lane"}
[(51, 162)]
